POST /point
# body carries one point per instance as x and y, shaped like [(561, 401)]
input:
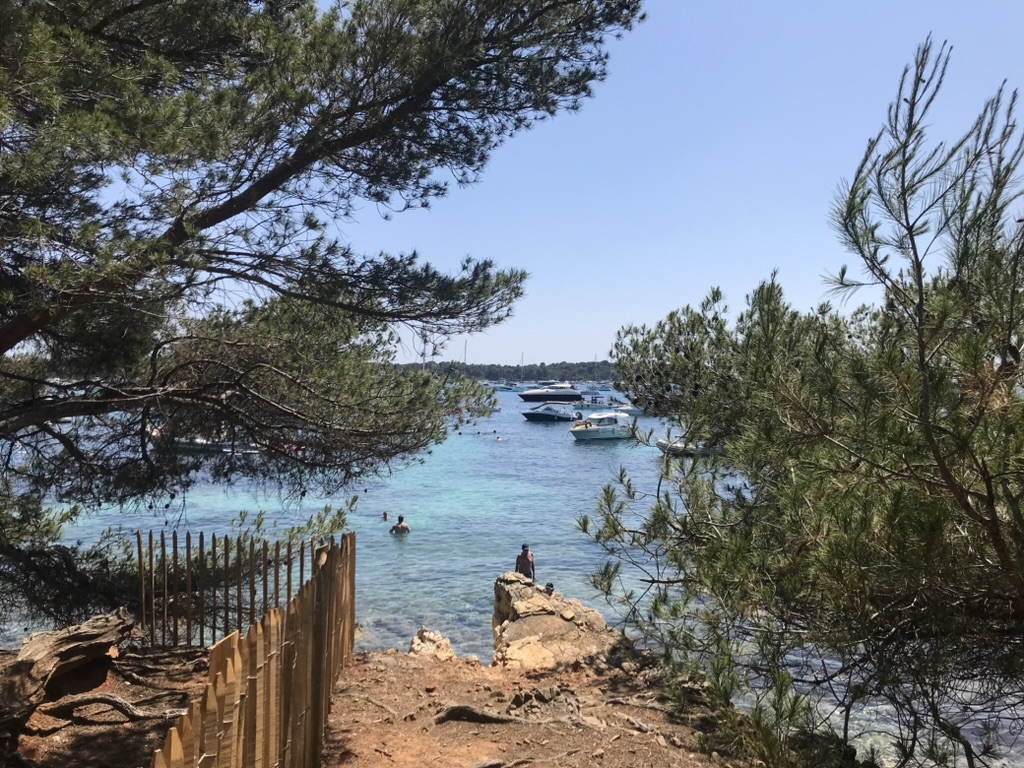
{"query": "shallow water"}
[(475, 500)]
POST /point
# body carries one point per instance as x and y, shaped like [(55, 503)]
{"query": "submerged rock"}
[(537, 631)]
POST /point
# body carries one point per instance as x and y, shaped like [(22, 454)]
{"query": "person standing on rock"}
[(524, 563)]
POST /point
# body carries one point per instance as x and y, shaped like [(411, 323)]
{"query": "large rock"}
[(431, 644), (537, 631)]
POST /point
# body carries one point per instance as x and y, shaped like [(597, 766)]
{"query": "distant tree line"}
[(590, 371)]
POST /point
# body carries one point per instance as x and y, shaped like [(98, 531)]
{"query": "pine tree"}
[(171, 174), (859, 537)]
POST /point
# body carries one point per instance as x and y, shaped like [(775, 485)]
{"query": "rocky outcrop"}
[(431, 644), (537, 631)]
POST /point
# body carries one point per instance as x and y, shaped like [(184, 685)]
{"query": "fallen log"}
[(45, 657)]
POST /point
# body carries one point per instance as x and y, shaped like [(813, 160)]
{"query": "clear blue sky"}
[(709, 156)]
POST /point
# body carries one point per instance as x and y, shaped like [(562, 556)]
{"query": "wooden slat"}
[(304, 665), (209, 724), (266, 577), (187, 730), (159, 760), (188, 588), (172, 749), (319, 672), (174, 587), (277, 574), (238, 583), (163, 588), (271, 706), (289, 705), (255, 698), (142, 583), (252, 581), (236, 694), (227, 584), (288, 583), (152, 593), (213, 589), (229, 718)]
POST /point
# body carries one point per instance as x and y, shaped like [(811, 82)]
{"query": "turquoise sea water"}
[(473, 502), (491, 487)]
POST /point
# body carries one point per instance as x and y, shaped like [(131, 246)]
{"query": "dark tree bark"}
[(43, 658)]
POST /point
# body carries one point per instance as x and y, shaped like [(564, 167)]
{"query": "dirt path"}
[(404, 711)]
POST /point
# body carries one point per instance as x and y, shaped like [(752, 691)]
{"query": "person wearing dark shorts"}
[(524, 563)]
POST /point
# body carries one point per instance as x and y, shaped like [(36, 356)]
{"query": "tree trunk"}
[(43, 658)]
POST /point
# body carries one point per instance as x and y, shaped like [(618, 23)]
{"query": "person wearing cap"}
[(524, 563)]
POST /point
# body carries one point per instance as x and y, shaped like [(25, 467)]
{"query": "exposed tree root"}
[(66, 708), (385, 707), (470, 714)]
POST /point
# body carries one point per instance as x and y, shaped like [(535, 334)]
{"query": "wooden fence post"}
[(201, 593), (142, 582), (175, 591), (188, 588), (152, 592)]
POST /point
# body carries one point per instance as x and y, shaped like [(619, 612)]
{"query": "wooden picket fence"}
[(268, 695), (197, 592)]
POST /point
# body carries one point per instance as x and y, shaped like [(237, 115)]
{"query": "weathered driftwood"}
[(43, 658)]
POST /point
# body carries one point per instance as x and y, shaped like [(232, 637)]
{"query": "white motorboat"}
[(606, 425), (593, 403), (681, 447), (629, 409), (501, 385), (600, 403), (202, 446), (561, 392), (551, 412)]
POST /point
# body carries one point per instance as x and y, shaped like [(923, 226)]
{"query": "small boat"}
[(592, 403), (606, 425), (601, 403), (628, 408), (551, 412), (201, 446), (562, 392), (501, 385), (682, 447)]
